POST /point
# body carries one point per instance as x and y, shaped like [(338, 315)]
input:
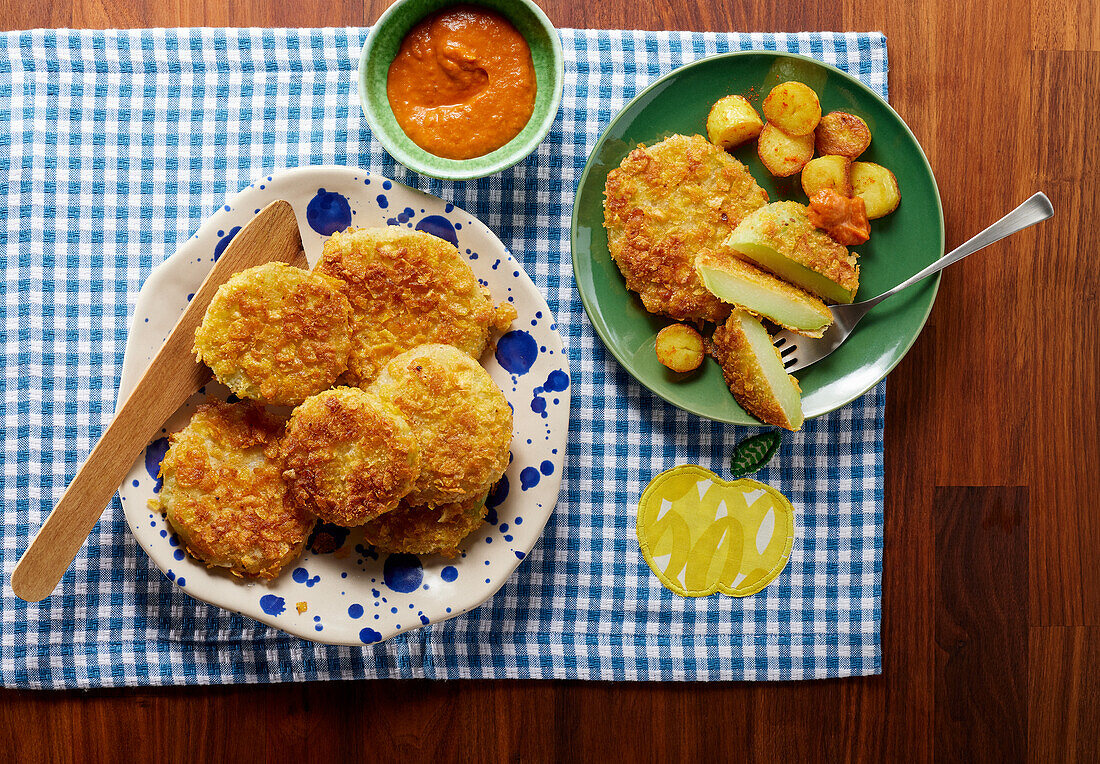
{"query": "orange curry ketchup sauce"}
[(463, 83)]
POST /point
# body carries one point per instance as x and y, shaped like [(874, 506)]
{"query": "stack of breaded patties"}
[(408, 448)]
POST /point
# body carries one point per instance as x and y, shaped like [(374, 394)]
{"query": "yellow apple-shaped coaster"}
[(700, 534)]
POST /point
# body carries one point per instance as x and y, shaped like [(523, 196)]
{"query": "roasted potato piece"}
[(680, 348), (832, 171), (783, 154), (732, 121), (877, 187), (793, 107), (842, 133)]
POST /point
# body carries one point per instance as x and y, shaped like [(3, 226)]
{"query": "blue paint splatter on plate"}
[(528, 478), (224, 241), (154, 454), (301, 576), (369, 636), (556, 382), (498, 493), (403, 573), (326, 538), (328, 212), (439, 226), (517, 351), (272, 604)]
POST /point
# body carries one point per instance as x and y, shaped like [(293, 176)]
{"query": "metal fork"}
[(798, 352)]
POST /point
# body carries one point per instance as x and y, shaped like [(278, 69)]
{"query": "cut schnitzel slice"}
[(780, 238), (745, 286), (754, 372)]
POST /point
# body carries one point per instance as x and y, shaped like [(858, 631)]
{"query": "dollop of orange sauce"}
[(843, 218), (463, 83)]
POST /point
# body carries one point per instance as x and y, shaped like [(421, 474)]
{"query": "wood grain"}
[(1062, 692), (981, 624), (1064, 347), (999, 391)]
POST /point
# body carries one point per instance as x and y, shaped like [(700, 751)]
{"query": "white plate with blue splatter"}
[(352, 594)]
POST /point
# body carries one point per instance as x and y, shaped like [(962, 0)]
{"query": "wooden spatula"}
[(172, 378)]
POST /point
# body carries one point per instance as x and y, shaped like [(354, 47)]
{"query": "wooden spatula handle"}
[(172, 377), (60, 538)]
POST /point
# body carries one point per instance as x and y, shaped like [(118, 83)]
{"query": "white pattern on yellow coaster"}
[(700, 534)]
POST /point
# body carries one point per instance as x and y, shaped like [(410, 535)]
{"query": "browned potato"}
[(793, 107), (680, 348), (732, 121), (783, 154), (842, 133), (877, 187), (831, 171)]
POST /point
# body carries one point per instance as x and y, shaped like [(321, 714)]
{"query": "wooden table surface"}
[(991, 590)]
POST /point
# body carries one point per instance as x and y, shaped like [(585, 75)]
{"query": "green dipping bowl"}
[(381, 47)]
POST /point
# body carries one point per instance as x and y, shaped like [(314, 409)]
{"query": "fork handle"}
[(1035, 210)]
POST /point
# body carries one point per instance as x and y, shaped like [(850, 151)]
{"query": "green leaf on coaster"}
[(753, 453)]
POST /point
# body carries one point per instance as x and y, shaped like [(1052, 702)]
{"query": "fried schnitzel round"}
[(461, 419), (665, 204), (224, 494), (407, 288), (427, 530), (276, 334), (349, 456)]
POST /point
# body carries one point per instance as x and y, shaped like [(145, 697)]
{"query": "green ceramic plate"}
[(381, 47), (901, 243)]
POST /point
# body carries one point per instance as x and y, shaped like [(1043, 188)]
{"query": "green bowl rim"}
[(600, 326), (510, 154)]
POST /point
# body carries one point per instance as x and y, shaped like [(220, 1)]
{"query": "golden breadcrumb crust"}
[(426, 530), (731, 348), (407, 288), (787, 226), (664, 205), (276, 334), (349, 456), (461, 419), (224, 494)]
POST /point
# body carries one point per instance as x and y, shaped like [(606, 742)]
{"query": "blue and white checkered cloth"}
[(115, 145)]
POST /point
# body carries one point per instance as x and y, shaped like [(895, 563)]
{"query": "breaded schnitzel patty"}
[(407, 288), (276, 334), (349, 456), (224, 494), (461, 420), (426, 530), (665, 204)]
